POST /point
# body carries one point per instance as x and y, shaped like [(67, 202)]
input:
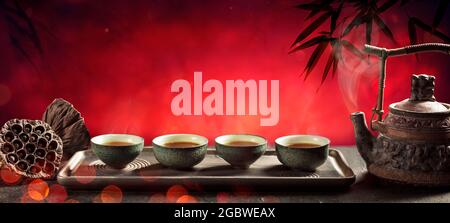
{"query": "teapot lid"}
[(422, 98)]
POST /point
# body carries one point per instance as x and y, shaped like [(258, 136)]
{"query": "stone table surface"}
[(366, 189)]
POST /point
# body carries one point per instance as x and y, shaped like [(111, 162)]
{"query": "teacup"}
[(180, 151), (240, 150), (117, 150), (303, 152)]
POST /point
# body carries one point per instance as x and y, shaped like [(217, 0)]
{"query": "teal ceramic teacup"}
[(240, 150), (302, 152), (117, 150), (180, 151)]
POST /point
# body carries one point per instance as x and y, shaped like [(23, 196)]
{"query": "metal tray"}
[(85, 171)]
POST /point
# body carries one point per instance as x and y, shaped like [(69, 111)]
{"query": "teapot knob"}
[(422, 88)]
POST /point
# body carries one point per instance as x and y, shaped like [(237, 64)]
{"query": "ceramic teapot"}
[(413, 145)]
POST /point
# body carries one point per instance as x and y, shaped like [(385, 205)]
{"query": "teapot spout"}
[(364, 139)]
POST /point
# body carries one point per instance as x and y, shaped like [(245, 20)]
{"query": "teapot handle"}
[(412, 49), (383, 54)]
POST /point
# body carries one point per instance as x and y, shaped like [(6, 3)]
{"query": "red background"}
[(116, 60)]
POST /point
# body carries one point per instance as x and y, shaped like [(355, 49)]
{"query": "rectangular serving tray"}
[(85, 171)]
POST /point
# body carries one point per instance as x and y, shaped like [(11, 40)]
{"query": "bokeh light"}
[(57, 194), (9, 177), (175, 192), (111, 194), (187, 199), (27, 199), (38, 190)]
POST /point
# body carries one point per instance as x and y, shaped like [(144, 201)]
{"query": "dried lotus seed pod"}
[(67, 122), (30, 148)]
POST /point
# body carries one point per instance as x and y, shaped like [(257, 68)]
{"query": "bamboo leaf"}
[(315, 8), (312, 14), (335, 16), (412, 34), (369, 31), (350, 47), (442, 7), (16, 44), (412, 31), (335, 64), (310, 43), (429, 29), (328, 65), (365, 5), (384, 28), (33, 33), (336, 52), (357, 20), (13, 24), (315, 56), (311, 28), (337, 48), (387, 5)]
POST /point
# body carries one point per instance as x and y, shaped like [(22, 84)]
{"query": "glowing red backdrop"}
[(116, 60)]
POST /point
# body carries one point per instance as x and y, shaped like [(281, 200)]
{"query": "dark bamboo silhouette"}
[(368, 13)]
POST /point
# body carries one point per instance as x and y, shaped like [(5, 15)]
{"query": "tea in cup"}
[(303, 152), (117, 150), (240, 150), (180, 151)]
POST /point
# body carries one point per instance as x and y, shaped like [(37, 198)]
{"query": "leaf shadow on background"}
[(22, 31), (415, 23)]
